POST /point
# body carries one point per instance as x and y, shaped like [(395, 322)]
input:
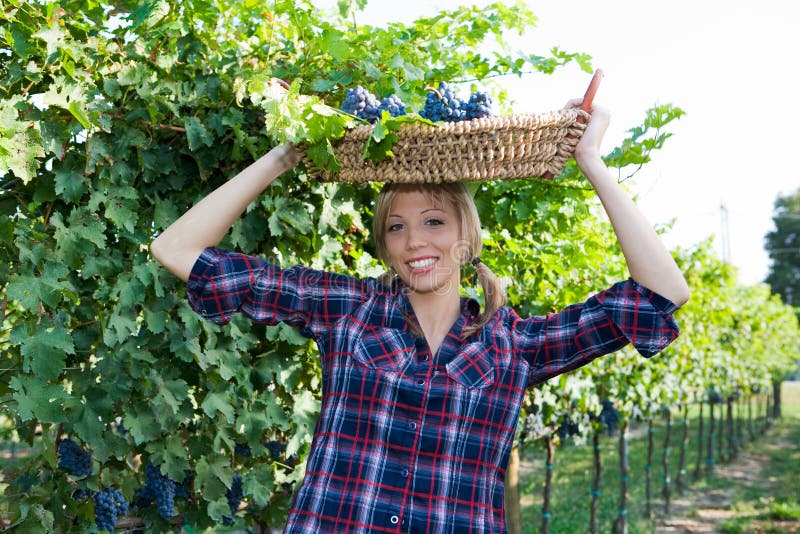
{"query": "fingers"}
[(287, 155)]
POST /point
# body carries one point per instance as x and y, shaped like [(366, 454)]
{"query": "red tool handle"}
[(588, 97), (586, 104)]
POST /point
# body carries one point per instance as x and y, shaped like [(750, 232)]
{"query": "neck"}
[(435, 313)]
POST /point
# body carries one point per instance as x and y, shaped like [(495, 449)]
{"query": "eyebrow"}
[(422, 212)]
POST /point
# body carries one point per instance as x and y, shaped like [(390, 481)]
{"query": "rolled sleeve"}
[(644, 317), (223, 283), (220, 282), (625, 313)]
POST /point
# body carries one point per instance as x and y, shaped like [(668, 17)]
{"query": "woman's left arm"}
[(649, 261)]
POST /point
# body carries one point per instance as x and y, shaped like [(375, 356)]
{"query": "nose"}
[(415, 239)]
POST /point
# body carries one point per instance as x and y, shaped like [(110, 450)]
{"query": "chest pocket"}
[(473, 366), (384, 349)]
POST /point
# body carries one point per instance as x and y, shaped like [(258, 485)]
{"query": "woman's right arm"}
[(206, 223)]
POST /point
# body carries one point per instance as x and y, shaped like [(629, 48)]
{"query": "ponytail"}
[(494, 297)]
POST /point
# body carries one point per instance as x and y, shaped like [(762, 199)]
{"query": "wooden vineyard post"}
[(776, 397), (513, 511), (550, 449), (680, 480), (698, 467), (666, 491), (710, 449), (648, 470), (598, 472), (621, 523), (733, 449)]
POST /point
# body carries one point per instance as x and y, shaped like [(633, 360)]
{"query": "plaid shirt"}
[(409, 441)]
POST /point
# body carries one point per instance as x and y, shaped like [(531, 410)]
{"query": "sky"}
[(730, 65)]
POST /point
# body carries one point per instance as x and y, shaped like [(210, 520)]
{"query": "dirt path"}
[(704, 509)]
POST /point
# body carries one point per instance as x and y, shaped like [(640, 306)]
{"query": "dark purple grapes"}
[(81, 494), (109, 504), (243, 450), (234, 495), (568, 428), (276, 449), (159, 488), (361, 103), (444, 105), (73, 458), (609, 416), (479, 105), (184, 489), (393, 105)]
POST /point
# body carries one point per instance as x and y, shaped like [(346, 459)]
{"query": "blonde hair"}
[(456, 195)]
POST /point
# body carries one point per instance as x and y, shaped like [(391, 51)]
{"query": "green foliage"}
[(114, 121)]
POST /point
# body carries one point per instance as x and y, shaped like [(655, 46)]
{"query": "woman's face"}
[(423, 243)]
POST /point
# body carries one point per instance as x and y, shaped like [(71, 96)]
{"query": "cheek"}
[(390, 245)]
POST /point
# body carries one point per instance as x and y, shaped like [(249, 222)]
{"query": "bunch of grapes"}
[(393, 105), (444, 105), (568, 428), (234, 495), (81, 494), (609, 416), (243, 450), (479, 105), (276, 449), (183, 490), (109, 504), (159, 488), (532, 427), (361, 103), (73, 458)]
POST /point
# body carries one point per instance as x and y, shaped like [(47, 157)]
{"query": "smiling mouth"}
[(422, 264)]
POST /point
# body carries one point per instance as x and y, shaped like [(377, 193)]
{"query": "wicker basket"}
[(494, 148)]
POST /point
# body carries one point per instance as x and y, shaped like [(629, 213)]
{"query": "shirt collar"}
[(470, 309)]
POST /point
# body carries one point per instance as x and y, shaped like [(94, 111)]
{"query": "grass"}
[(778, 510), (758, 507)]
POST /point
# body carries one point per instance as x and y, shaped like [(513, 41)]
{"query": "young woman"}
[(421, 388)]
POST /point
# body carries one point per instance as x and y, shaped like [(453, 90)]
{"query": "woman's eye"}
[(394, 227), (434, 222)]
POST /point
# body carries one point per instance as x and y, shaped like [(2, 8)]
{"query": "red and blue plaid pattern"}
[(408, 441)]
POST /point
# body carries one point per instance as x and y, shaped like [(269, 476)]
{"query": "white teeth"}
[(422, 263)]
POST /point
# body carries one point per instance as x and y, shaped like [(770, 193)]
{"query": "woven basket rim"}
[(523, 145)]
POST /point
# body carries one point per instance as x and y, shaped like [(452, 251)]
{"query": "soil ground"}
[(706, 509)]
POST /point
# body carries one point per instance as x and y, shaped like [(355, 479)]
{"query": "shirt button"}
[(404, 473), (424, 357), (394, 519), (421, 382), (412, 425)]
